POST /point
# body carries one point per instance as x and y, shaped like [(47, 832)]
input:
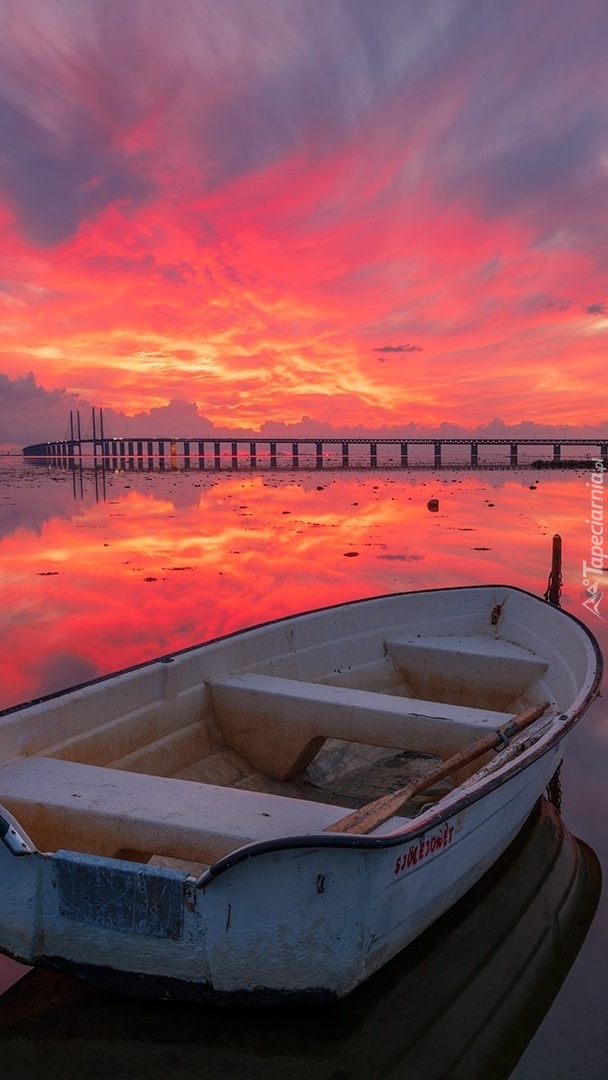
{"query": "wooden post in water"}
[(554, 584)]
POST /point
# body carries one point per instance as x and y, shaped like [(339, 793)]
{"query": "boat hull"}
[(306, 923), (463, 1001), (308, 915)]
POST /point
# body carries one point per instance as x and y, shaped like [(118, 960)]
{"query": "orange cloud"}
[(247, 237)]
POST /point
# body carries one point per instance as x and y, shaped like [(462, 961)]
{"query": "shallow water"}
[(102, 572)]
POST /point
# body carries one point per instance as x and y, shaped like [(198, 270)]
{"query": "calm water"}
[(96, 576)]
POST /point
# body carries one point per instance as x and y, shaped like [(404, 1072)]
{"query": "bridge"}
[(147, 453)]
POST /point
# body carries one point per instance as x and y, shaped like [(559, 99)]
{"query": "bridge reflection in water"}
[(463, 1001)]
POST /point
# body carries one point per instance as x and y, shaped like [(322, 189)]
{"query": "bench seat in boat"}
[(466, 668), (279, 724), (70, 805)]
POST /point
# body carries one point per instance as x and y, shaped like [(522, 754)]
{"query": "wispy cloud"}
[(397, 348), (260, 192)]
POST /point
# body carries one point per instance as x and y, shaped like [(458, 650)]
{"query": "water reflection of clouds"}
[(171, 559)]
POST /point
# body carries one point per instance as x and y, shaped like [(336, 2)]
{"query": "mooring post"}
[(554, 584)]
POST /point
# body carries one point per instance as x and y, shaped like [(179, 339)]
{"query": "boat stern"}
[(21, 872)]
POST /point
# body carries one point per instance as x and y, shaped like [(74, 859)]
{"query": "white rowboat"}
[(221, 824)]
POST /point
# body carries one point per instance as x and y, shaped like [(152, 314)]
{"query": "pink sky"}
[(366, 214)]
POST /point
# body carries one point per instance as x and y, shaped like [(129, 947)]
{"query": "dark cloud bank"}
[(30, 414)]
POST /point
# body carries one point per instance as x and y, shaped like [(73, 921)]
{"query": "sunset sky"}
[(368, 214)]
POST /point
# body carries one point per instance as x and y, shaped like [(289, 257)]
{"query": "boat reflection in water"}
[(462, 1002)]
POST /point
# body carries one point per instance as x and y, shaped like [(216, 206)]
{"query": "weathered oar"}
[(375, 813)]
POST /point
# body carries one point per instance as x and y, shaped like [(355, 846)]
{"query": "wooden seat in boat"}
[(70, 805), (279, 724)]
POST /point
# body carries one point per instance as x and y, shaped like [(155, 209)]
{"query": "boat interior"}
[(163, 764)]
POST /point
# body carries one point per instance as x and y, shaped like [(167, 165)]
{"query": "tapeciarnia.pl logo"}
[(593, 570)]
